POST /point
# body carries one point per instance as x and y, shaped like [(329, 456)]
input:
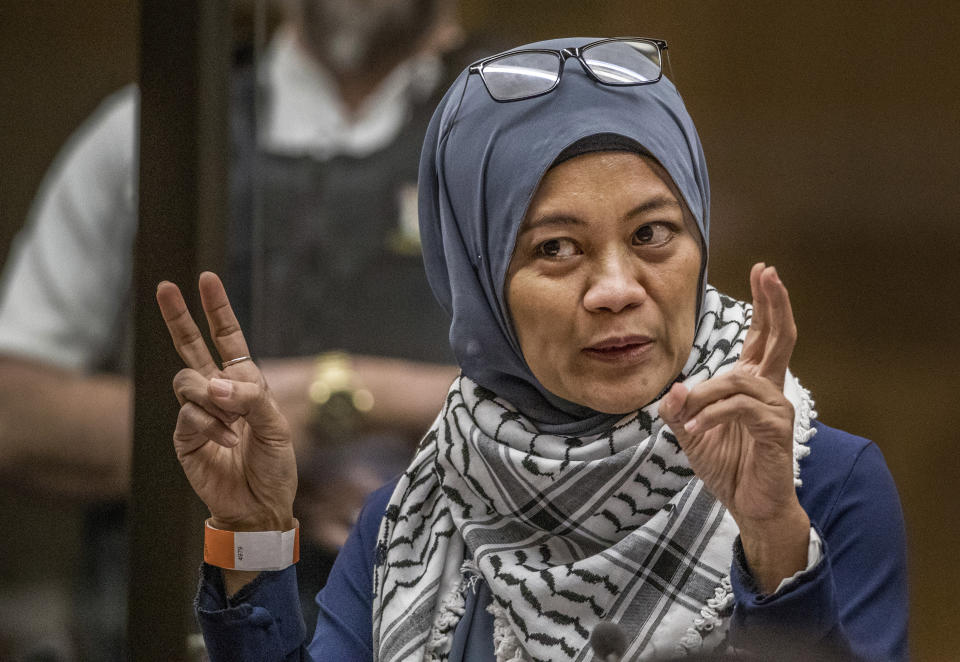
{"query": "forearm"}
[(407, 394), (854, 602), (776, 550), (800, 621), (63, 432), (262, 622)]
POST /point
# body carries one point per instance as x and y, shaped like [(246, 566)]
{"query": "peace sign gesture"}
[(737, 431), (231, 439)]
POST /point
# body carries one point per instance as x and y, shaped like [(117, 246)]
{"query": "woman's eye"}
[(653, 234), (556, 248)]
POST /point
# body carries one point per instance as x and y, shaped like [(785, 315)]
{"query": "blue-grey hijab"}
[(481, 163)]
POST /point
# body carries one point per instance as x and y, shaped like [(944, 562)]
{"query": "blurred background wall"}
[(832, 132)]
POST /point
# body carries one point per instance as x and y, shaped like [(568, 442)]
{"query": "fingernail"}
[(231, 438), (690, 425), (221, 387)]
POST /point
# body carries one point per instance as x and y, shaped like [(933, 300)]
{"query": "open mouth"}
[(620, 349)]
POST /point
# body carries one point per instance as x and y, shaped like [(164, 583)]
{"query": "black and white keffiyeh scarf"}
[(566, 531)]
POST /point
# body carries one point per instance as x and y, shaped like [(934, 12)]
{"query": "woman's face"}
[(603, 282)]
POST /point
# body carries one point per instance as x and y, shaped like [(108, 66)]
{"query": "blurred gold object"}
[(339, 400)]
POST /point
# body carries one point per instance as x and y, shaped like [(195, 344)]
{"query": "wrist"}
[(264, 522), (776, 548), (234, 580), (251, 550)]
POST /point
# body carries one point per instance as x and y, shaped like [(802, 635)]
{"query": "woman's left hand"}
[(737, 431)]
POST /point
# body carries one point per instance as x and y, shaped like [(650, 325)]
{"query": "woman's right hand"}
[(231, 439)]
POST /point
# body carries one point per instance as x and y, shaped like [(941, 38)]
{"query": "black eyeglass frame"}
[(562, 56)]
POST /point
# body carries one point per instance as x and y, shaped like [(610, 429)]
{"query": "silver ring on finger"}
[(239, 359)]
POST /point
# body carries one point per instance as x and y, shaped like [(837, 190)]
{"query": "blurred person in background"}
[(325, 137)]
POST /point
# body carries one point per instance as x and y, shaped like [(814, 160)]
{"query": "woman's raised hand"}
[(231, 439), (737, 431)]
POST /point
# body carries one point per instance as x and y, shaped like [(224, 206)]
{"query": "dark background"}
[(832, 133)]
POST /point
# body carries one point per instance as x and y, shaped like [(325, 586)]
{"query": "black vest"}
[(337, 270)]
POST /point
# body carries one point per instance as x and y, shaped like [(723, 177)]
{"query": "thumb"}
[(255, 404)]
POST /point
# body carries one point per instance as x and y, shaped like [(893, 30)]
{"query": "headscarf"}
[(569, 516), (481, 163)]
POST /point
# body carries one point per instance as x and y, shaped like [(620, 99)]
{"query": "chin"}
[(619, 402), (620, 396), (617, 409)]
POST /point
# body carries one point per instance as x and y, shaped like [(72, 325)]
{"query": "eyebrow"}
[(660, 202), (550, 220)]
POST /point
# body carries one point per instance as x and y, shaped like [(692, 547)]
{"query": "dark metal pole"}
[(184, 69)]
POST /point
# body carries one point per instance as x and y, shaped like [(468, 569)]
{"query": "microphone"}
[(608, 641)]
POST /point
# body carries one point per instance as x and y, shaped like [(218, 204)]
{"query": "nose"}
[(614, 286)]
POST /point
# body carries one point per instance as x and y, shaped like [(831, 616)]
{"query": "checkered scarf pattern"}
[(567, 531)]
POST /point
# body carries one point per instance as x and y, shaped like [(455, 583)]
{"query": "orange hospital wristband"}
[(251, 550)]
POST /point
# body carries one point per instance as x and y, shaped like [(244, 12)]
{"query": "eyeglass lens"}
[(623, 62), (521, 75), (527, 74)]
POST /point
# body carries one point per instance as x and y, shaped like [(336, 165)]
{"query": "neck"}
[(356, 84), (442, 35)]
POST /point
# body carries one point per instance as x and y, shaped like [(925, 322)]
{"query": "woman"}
[(624, 443)]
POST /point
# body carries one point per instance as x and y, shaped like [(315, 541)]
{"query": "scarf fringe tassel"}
[(711, 616), (506, 646), (449, 614), (803, 430)]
